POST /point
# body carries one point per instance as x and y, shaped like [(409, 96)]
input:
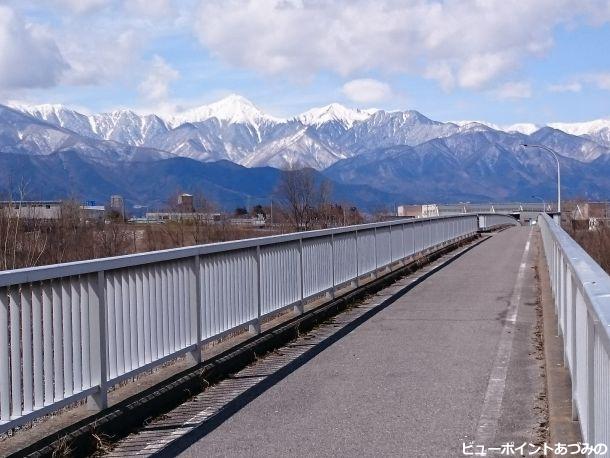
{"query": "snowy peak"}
[(598, 130), (582, 128), (42, 111), (58, 115), (334, 112), (233, 109), (522, 128), (475, 126)]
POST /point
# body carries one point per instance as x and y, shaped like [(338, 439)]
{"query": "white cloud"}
[(151, 8), (476, 71), (82, 6), (514, 90), (599, 80), (102, 41), (469, 43), (574, 86), (28, 56), (366, 90), (107, 55), (156, 85)]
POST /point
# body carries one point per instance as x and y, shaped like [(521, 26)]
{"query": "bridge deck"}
[(453, 359)]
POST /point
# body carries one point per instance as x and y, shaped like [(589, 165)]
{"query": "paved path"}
[(454, 359)]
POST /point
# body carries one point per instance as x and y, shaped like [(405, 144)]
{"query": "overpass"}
[(523, 211), (437, 350)]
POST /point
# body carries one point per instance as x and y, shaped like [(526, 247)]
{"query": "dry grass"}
[(595, 242)]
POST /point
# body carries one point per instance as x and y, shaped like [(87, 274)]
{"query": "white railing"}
[(489, 221), (70, 331), (581, 292)]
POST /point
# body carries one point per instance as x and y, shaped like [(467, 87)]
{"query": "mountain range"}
[(374, 156)]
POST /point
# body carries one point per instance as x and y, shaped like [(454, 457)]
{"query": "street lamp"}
[(541, 200), (558, 172)]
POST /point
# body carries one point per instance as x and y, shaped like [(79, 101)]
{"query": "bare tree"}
[(298, 194)]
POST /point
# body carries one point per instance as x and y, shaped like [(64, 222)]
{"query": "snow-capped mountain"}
[(526, 128), (60, 116), (123, 126), (479, 165), (334, 112), (598, 130), (388, 128), (302, 148), (522, 128), (400, 152), (233, 109), (235, 129), (24, 134)]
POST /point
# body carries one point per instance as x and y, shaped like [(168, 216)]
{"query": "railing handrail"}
[(592, 280), (70, 331), (581, 294), (40, 273)]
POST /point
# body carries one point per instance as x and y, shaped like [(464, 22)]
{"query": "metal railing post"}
[(99, 374), (357, 280), (300, 307), (389, 267), (255, 328), (375, 274), (332, 260), (404, 248), (196, 292)]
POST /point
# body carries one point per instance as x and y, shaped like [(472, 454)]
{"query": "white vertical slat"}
[(139, 283), (119, 318), (165, 320), (157, 300), (27, 350), (147, 317), (97, 286), (37, 343), (112, 326), (77, 343), (5, 383), (58, 367), (196, 306), (155, 336), (67, 335), (224, 290), (85, 332), (126, 322), (181, 305), (133, 319), (175, 307), (48, 340), (16, 390), (204, 281)]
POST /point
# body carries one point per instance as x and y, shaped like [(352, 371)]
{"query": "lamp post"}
[(541, 200), (558, 172)]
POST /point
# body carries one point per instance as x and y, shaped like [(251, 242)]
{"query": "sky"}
[(501, 61)]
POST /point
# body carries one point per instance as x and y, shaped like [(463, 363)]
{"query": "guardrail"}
[(489, 221), (71, 331), (581, 292)]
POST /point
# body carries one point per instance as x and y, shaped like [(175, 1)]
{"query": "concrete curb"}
[(82, 438)]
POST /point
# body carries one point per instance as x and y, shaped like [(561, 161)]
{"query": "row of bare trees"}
[(302, 202), (29, 240), (307, 202)]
